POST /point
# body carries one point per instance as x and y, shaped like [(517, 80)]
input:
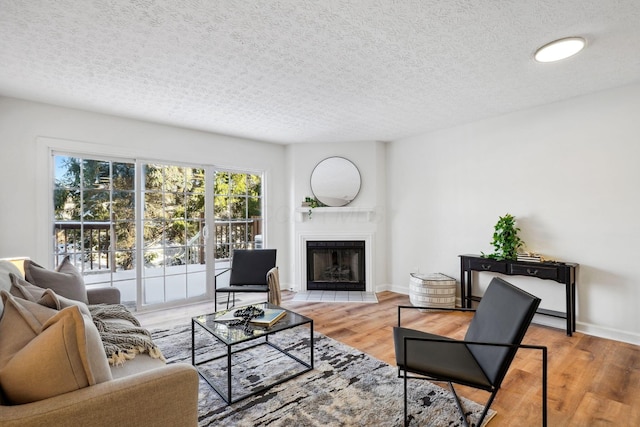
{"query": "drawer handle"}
[(486, 266), (532, 272)]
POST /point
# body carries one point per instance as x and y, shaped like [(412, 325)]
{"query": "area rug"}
[(345, 388)]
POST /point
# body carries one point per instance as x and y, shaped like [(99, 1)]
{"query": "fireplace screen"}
[(335, 265)]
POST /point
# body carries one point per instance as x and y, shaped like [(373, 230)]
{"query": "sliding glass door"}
[(138, 226), (143, 226), (174, 230)]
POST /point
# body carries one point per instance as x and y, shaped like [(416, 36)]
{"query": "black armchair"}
[(482, 359), (249, 269)]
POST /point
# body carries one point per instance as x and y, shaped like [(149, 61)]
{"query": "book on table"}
[(270, 316)]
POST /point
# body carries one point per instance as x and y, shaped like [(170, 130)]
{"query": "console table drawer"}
[(487, 265), (534, 271)]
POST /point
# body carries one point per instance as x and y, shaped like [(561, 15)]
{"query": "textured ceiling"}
[(311, 71)]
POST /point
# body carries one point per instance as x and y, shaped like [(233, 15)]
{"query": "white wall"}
[(23, 216), (569, 173)]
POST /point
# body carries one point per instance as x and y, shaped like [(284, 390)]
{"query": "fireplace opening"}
[(336, 265)]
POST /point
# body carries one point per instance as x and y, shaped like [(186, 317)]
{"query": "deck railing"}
[(93, 243)]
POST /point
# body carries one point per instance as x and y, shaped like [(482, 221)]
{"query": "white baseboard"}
[(608, 333)]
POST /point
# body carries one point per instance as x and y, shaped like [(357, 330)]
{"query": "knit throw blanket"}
[(122, 341)]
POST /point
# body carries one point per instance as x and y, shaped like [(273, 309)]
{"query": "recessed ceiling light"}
[(559, 49)]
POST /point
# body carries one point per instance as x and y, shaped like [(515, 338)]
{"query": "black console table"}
[(561, 272)]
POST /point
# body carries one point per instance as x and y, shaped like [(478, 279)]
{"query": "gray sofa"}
[(142, 391)]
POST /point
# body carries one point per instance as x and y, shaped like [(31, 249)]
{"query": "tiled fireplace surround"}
[(346, 224)]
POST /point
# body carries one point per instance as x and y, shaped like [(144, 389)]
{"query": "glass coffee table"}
[(237, 357)]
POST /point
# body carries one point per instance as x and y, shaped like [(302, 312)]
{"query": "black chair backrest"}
[(250, 266), (503, 316)]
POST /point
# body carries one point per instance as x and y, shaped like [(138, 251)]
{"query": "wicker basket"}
[(432, 290)]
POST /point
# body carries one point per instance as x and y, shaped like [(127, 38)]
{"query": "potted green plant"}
[(506, 241), (312, 202)]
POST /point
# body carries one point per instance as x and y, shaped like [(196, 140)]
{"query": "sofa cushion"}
[(21, 321), (66, 280), (6, 269), (25, 290), (65, 355), (22, 289), (140, 363)]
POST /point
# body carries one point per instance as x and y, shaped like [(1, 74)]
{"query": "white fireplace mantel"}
[(304, 212)]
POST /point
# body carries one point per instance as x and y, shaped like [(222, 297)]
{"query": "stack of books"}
[(530, 257)]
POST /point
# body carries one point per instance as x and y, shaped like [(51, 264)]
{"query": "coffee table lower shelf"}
[(235, 348)]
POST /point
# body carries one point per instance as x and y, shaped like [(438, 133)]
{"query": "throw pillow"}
[(25, 290), (21, 321), (66, 280), (22, 289), (52, 300), (65, 356), (6, 269)]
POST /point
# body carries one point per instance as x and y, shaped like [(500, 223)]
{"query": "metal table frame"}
[(266, 332)]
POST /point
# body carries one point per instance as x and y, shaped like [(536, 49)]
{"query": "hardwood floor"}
[(592, 381)]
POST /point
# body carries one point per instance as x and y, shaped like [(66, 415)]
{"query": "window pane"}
[(196, 284), (153, 262), (152, 177), (175, 287), (194, 206), (125, 233), (223, 233), (254, 207), (195, 258), (175, 233), (123, 176), (64, 206), (123, 205), (153, 233), (66, 172), (96, 205), (239, 233), (221, 186), (193, 230), (95, 173), (153, 206), (254, 185), (221, 208), (125, 260), (238, 207), (222, 252), (238, 183), (174, 180), (195, 178)]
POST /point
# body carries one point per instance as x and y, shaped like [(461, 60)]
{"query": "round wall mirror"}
[(335, 181)]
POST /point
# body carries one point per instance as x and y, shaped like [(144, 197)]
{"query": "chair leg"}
[(486, 407), (459, 404), (461, 409), (406, 417), (228, 297), (544, 387)]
